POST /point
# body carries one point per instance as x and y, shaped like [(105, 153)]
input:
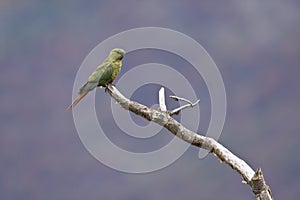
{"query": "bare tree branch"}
[(161, 99), (176, 98), (259, 187), (163, 118), (177, 110)]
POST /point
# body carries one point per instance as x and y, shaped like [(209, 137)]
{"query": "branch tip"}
[(177, 110)]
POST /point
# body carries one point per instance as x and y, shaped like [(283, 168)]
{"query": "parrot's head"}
[(116, 54)]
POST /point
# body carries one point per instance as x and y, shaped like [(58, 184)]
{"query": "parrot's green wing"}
[(88, 86), (100, 77), (103, 74)]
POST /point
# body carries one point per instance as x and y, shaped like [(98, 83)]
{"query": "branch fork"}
[(163, 107)]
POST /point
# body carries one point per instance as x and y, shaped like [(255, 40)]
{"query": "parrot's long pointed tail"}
[(75, 102)]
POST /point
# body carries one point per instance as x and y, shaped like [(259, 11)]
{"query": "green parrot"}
[(104, 74)]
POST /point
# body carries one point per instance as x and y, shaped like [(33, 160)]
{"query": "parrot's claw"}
[(107, 88)]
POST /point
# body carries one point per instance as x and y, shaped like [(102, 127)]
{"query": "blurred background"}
[(255, 44)]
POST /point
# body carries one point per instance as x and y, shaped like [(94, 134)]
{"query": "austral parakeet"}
[(105, 74)]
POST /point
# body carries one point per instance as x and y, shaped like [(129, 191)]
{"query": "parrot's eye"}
[(119, 52), (120, 56)]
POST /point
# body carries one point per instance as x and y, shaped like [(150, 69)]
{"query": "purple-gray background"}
[(255, 44)]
